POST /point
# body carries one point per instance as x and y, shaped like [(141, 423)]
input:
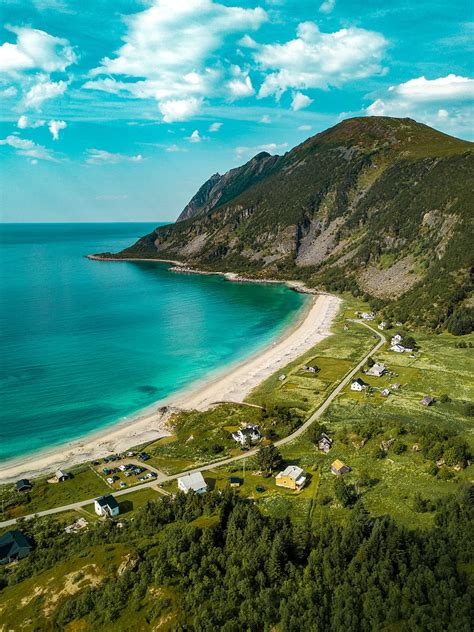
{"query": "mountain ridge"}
[(375, 205)]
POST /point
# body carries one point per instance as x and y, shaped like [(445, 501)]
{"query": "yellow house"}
[(293, 477), (338, 468)]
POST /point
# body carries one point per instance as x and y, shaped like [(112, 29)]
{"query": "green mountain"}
[(378, 206)]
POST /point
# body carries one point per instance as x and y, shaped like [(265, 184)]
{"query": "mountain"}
[(379, 206)]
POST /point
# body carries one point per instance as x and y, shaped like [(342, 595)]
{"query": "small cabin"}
[(23, 485), (427, 400), (339, 468)]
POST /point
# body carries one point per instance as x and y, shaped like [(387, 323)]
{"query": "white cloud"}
[(174, 148), (24, 122), (28, 148), (319, 60), (423, 99), (8, 93), (265, 119), (240, 88), (327, 6), (179, 109), (101, 157), (171, 49), (271, 148), (111, 197), (441, 89), (55, 127), (300, 101), (42, 92), (305, 128), (35, 50), (247, 42), (215, 127), (195, 137)]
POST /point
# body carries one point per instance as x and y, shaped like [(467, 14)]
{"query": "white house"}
[(396, 339), (106, 506), (397, 348), (382, 325), (368, 315), (377, 370), (193, 481), (250, 433), (358, 385)]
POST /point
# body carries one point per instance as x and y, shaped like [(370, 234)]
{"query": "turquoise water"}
[(85, 343)]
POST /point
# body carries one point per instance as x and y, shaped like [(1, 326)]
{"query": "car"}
[(122, 468), (130, 454), (110, 480), (122, 484), (127, 474), (106, 471)]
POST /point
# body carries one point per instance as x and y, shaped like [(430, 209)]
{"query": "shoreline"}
[(232, 383)]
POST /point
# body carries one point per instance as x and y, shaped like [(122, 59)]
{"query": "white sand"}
[(232, 384)]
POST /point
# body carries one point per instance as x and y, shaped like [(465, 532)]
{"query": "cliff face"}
[(219, 189), (376, 205)]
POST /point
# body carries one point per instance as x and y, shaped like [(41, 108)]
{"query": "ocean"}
[(85, 343)]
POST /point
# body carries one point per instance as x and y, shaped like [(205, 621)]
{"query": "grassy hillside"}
[(379, 206)]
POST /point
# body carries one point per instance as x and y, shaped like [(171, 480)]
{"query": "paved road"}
[(210, 466)]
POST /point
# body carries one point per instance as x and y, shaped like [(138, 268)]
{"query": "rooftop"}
[(194, 480)]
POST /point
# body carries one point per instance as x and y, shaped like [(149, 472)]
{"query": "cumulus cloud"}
[(327, 6), (27, 148), (422, 99), (195, 137), (35, 50), (101, 157), (44, 91), (179, 71), (215, 127), (9, 92), (300, 101), (24, 122), (179, 109), (240, 88), (55, 127), (319, 60)]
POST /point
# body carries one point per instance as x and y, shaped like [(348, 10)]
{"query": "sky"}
[(118, 110)]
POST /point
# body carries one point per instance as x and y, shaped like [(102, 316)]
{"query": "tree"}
[(269, 459), (315, 431), (342, 492)]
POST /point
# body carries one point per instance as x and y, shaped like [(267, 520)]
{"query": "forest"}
[(217, 562)]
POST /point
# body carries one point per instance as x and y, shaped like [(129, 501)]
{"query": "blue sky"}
[(118, 110)]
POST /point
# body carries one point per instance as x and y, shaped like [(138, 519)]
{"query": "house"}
[(358, 385), (61, 475), (248, 434), (293, 477), (385, 392), (106, 506), (282, 377), (396, 339), (338, 468), (324, 443), (234, 481), (14, 545), (194, 481), (313, 369), (368, 315), (397, 386), (23, 485), (377, 370), (397, 348), (427, 400), (382, 326)]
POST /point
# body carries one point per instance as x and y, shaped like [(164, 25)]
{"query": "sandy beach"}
[(232, 384)]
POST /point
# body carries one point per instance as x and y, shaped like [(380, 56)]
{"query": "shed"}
[(61, 475), (427, 400)]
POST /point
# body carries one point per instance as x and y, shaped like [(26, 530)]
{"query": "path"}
[(209, 466)]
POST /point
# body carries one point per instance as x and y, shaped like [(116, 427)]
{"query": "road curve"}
[(209, 466)]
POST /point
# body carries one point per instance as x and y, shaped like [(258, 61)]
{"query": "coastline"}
[(232, 383)]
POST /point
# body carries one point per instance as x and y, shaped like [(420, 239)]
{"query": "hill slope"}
[(374, 205)]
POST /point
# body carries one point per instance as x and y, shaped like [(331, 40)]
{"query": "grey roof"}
[(293, 471), (194, 481)]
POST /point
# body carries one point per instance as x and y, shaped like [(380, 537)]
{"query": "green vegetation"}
[(377, 206), (217, 562)]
